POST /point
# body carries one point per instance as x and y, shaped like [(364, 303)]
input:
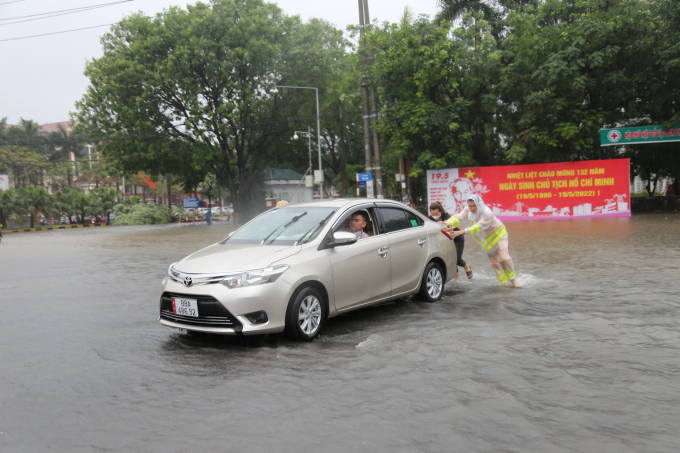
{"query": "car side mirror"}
[(343, 238)]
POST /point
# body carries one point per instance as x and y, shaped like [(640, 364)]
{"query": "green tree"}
[(81, 204), (574, 68), (667, 60), (102, 201), (65, 201), (194, 86), (342, 96), (9, 205), (657, 95), (452, 10), (208, 189), (64, 146), (419, 84), (35, 200)]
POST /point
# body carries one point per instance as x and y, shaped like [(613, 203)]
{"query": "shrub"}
[(143, 213)]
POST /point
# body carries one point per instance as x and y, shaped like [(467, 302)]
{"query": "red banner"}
[(598, 188)]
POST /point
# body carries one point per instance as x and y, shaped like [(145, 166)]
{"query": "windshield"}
[(284, 226)]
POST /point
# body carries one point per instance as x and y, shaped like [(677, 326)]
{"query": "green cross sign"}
[(638, 135)]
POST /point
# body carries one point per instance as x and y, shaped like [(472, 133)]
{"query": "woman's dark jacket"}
[(446, 216)]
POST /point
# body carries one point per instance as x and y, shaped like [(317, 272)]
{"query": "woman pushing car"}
[(490, 234)]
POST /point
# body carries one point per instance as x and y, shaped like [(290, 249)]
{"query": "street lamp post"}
[(307, 134), (318, 127)]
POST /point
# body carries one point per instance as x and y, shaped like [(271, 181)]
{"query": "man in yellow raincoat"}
[(490, 235)]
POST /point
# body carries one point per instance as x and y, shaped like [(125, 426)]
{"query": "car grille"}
[(211, 313)]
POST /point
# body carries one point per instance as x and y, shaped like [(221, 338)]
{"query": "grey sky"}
[(41, 78)]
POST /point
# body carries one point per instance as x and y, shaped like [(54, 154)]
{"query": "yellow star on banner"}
[(469, 174)]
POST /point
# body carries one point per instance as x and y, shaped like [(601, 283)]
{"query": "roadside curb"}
[(62, 227)]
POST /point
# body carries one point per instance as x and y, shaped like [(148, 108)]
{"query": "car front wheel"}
[(306, 315), (432, 284)]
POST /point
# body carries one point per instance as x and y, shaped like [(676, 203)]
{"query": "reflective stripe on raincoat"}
[(487, 230)]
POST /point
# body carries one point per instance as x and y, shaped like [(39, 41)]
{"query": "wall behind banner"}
[(598, 188)]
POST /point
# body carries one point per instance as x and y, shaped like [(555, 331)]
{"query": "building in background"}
[(640, 186), (284, 184)]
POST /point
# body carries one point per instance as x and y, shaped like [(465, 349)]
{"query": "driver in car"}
[(357, 223)]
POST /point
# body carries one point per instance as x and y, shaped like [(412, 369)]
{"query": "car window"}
[(283, 226), (394, 219), (369, 229), (413, 219)]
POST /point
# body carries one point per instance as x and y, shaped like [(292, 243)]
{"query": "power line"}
[(7, 3), (101, 5), (56, 15), (55, 33), (67, 31)]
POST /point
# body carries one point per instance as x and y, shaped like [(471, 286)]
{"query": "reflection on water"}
[(583, 358)]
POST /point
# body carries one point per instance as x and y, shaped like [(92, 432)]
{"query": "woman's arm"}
[(484, 222), (455, 220)]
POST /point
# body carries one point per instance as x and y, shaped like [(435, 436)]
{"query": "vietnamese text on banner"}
[(560, 190)]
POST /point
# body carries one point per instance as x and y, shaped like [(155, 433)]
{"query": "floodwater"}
[(584, 358)]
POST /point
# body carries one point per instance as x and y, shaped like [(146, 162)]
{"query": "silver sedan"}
[(293, 267)]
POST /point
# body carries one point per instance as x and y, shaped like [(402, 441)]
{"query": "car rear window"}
[(394, 219)]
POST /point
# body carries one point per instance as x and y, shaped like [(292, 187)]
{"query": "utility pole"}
[(402, 179), (318, 142), (364, 92), (309, 145), (169, 188), (373, 110)]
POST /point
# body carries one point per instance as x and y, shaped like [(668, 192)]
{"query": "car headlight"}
[(170, 272), (254, 277)]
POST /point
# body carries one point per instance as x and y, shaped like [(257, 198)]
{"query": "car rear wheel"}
[(432, 284), (306, 315)]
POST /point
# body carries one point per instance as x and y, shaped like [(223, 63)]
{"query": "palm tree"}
[(28, 137), (81, 203), (452, 10), (8, 205), (3, 128), (104, 199), (35, 199), (66, 200), (406, 17), (64, 145)]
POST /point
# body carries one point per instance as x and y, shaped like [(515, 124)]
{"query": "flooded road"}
[(584, 358)]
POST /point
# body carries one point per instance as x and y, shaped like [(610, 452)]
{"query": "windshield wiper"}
[(319, 225), (285, 225)]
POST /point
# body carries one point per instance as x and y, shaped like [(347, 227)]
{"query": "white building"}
[(288, 185)]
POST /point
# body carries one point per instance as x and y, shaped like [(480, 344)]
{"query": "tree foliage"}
[(195, 87), (528, 82)]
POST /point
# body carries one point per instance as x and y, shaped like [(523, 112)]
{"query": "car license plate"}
[(186, 307)]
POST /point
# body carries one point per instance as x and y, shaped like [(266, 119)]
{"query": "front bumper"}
[(222, 310)]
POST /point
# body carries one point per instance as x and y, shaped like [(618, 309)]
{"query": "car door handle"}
[(422, 241), (383, 251)]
